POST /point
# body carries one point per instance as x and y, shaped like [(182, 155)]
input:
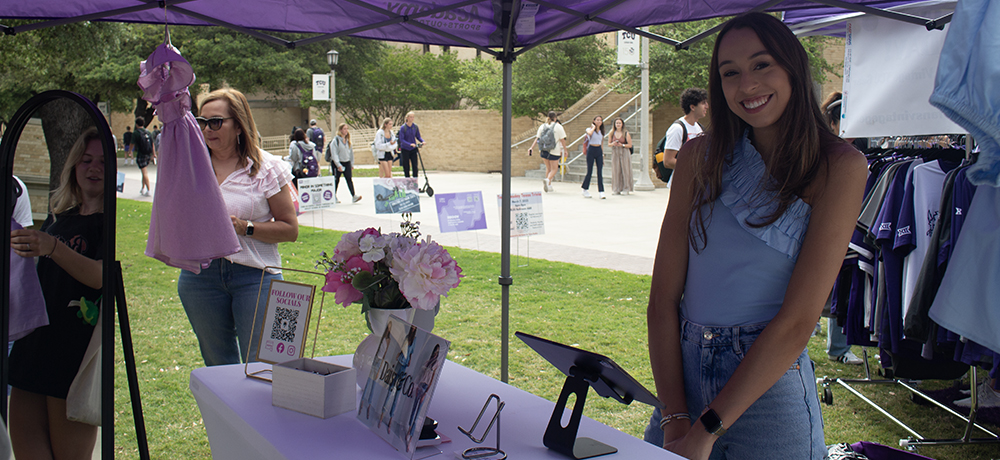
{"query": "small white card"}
[(285, 322)]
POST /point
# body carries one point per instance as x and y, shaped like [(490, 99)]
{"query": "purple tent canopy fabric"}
[(478, 23)]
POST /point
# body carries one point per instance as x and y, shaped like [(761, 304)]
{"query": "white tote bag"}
[(83, 402)]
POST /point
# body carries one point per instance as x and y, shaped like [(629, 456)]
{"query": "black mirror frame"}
[(7, 150)]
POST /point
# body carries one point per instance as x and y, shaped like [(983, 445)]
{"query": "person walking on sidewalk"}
[(551, 142), (410, 142), (340, 155), (127, 142), (385, 144), (620, 141), (595, 156)]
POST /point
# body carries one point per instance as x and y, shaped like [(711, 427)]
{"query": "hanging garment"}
[(966, 302), (27, 304), (189, 225), (965, 87)]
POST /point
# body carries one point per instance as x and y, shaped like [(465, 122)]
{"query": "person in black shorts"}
[(142, 159)]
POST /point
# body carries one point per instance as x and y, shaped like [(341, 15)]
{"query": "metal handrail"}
[(562, 172), (578, 113)]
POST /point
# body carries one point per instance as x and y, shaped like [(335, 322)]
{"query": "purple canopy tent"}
[(496, 27)]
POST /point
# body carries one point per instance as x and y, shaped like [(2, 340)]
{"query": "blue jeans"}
[(785, 422), (594, 156), (836, 340), (220, 303)]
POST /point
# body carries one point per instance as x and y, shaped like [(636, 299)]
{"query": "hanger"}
[(165, 71)]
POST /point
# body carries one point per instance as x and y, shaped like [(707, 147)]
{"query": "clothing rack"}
[(929, 148)]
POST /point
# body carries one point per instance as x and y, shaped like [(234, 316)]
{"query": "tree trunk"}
[(63, 120)]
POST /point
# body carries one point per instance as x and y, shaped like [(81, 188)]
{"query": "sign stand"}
[(259, 374)]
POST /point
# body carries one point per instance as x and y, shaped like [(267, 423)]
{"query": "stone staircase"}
[(578, 117)]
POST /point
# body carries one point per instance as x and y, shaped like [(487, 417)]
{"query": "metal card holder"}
[(259, 374), (484, 452)]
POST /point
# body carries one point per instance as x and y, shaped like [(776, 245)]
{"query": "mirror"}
[(35, 147)]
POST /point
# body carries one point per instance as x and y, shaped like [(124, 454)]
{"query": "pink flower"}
[(425, 272), (339, 282), (348, 246)]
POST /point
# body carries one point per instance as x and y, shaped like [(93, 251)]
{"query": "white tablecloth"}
[(242, 424)]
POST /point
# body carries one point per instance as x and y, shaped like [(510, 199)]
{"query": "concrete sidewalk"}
[(618, 233)]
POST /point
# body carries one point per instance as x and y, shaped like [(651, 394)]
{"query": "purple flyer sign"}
[(458, 212)]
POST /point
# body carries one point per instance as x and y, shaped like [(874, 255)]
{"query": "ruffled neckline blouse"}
[(747, 191)]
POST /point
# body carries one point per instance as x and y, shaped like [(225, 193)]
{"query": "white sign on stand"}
[(526, 216), (889, 70), (316, 193), (283, 330), (628, 48)]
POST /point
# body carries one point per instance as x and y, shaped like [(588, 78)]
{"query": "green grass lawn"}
[(595, 309)]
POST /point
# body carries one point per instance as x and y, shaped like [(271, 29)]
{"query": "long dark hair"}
[(797, 155)]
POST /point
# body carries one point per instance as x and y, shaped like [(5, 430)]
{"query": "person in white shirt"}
[(694, 101), (550, 156)]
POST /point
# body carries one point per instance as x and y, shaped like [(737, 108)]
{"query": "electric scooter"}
[(427, 184)]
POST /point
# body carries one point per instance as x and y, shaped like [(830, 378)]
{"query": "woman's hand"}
[(690, 448), (340, 168), (32, 243)]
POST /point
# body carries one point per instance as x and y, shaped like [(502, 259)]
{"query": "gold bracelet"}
[(669, 418)]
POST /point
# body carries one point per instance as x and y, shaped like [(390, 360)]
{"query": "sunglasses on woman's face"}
[(214, 123)]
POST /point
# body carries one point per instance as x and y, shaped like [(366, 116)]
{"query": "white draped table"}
[(242, 424)]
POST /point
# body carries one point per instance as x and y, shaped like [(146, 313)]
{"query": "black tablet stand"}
[(583, 370), (563, 439)]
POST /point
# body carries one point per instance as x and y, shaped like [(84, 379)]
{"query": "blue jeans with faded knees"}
[(785, 422), (595, 156), (220, 303)]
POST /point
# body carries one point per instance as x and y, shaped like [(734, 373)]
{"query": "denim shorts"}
[(785, 422), (220, 303)]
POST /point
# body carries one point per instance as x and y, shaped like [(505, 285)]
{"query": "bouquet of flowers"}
[(389, 271)]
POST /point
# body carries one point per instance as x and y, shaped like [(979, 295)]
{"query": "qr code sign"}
[(521, 221), (285, 322)]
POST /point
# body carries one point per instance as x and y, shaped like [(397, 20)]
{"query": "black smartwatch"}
[(249, 228), (712, 423)]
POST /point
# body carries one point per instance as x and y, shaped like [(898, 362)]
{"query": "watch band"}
[(249, 231), (712, 422)]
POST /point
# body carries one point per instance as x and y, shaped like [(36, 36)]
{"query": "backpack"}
[(309, 163), (143, 142), (547, 141), (663, 172), (316, 135)]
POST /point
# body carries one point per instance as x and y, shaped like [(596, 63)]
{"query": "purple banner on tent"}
[(458, 212)]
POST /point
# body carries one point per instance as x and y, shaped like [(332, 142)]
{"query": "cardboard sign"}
[(461, 211), (316, 193), (396, 195), (526, 217), (283, 331)]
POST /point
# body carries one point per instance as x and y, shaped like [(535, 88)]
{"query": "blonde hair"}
[(410, 114), (347, 138), (68, 194), (386, 122), (239, 109)]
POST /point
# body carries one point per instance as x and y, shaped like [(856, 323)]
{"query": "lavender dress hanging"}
[(189, 225)]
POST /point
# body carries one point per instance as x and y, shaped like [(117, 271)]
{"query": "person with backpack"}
[(302, 156), (316, 135), (694, 101), (551, 142), (145, 152), (127, 142)]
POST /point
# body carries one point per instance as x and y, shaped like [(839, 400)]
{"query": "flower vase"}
[(377, 318)]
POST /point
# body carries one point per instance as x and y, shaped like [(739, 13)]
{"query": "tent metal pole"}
[(505, 278)]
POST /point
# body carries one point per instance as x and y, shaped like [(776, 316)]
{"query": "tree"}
[(672, 71), (551, 76), (396, 81)]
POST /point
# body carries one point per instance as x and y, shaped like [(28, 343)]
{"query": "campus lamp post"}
[(331, 59)]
